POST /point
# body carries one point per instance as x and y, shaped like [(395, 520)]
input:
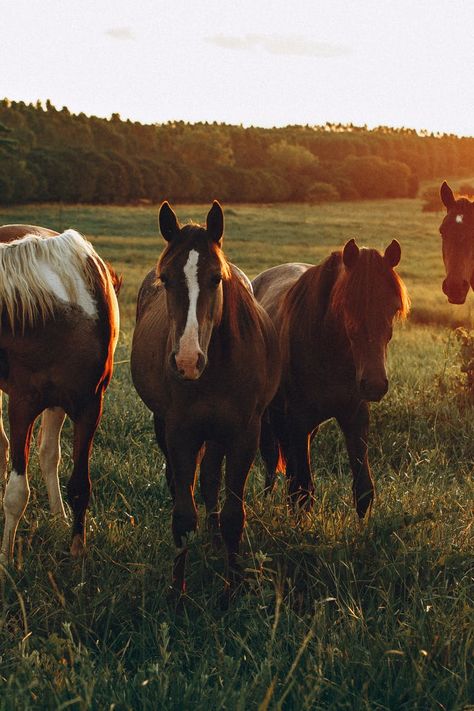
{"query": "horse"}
[(59, 325), (205, 362), (457, 231), (334, 322)]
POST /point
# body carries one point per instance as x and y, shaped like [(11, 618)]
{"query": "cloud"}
[(120, 33), (290, 45)]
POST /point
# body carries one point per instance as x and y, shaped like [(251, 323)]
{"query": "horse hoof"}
[(78, 547)]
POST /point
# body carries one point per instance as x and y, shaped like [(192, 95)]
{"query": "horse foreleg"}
[(355, 426), (160, 434), (209, 481), (239, 459), (269, 450), (22, 415), (183, 449), (4, 447), (79, 485), (49, 451), (300, 481)]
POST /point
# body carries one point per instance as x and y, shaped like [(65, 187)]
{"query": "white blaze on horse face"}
[(17, 493), (188, 348), (459, 218), (56, 286)]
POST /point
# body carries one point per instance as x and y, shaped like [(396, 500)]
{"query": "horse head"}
[(457, 232), (370, 295), (191, 270)]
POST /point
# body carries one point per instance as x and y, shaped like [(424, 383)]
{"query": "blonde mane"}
[(29, 265)]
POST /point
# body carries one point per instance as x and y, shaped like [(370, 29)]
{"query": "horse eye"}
[(164, 280), (216, 279)]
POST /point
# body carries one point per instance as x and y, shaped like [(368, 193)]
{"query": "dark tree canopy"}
[(49, 155)]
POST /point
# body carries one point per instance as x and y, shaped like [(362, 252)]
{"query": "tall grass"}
[(334, 614)]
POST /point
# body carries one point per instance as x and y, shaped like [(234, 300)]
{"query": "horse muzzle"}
[(456, 291), (188, 367), (373, 390)]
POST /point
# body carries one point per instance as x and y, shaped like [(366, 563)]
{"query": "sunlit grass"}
[(335, 615)]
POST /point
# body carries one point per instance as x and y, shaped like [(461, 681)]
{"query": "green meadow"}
[(335, 614)]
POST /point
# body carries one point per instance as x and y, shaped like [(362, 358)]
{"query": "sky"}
[(259, 62)]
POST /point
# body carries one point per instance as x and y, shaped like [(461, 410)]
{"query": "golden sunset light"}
[(236, 355)]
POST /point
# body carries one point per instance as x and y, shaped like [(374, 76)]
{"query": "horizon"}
[(373, 64), (343, 127)]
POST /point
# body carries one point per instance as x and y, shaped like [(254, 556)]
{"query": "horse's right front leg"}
[(22, 415), (49, 451), (160, 434), (183, 450)]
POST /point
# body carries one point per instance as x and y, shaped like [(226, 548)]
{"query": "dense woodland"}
[(48, 154)]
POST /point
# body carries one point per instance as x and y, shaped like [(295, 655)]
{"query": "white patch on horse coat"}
[(17, 493), (55, 284), (459, 218), (188, 348)]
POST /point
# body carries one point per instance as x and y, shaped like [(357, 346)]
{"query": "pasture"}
[(335, 615)]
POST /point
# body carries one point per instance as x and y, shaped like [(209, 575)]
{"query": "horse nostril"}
[(201, 362)]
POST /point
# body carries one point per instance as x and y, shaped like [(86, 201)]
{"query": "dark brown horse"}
[(457, 231), (205, 361), (58, 330), (334, 321)]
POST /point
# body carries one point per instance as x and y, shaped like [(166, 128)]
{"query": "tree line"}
[(49, 154)]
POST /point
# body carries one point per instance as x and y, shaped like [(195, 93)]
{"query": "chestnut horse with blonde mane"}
[(205, 362), (58, 331), (334, 321)]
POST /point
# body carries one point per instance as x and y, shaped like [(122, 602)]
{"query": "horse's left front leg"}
[(210, 475), (79, 485), (49, 450), (355, 426), (239, 458)]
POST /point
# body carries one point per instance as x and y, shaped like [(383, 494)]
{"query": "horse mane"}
[(25, 295), (354, 291), (330, 287), (313, 287)]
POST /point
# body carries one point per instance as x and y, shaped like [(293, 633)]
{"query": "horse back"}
[(10, 233)]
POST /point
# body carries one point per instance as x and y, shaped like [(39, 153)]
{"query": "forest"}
[(52, 155)]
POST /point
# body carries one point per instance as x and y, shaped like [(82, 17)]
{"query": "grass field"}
[(335, 615)]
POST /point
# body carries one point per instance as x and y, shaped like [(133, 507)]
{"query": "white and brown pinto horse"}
[(205, 361), (58, 330)]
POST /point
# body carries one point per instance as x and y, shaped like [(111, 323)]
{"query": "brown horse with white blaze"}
[(457, 232), (334, 321), (205, 362), (59, 326)]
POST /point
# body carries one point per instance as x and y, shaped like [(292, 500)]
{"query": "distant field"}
[(260, 236), (336, 615)]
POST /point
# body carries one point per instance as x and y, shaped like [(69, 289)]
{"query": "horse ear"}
[(350, 253), (215, 222), (169, 225), (393, 253), (447, 196)]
